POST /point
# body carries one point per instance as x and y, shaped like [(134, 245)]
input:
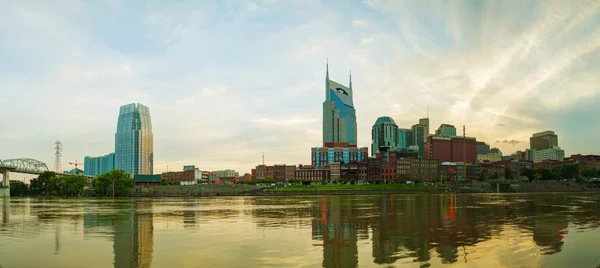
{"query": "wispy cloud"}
[(246, 76)]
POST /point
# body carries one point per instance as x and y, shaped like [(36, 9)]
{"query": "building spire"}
[(327, 67), (350, 78), (327, 97)]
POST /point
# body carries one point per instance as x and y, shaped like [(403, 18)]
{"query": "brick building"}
[(492, 168), (515, 166), (550, 164), (586, 161), (186, 177), (421, 169), (453, 149), (312, 173), (280, 173)]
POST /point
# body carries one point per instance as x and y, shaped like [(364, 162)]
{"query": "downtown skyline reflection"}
[(525, 230)]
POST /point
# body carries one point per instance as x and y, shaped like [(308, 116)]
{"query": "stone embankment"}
[(197, 190)]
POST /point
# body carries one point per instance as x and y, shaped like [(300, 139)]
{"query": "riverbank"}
[(367, 189)]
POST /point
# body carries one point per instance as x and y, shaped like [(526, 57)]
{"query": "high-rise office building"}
[(94, 166), (405, 138), (543, 140), (339, 116), (134, 141), (425, 122), (384, 134), (483, 148), (446, 130), (419, 136)]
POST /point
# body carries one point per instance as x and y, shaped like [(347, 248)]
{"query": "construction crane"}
[(75, 164)]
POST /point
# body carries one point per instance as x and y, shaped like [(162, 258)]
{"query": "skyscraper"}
[(543, 140), (339, 116), (94, 166), (446, 130), (425, 123), (405, 138), (384, 134), (134, 142), (419, 137)]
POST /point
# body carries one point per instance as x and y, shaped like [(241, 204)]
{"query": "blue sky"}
[(227, 80)]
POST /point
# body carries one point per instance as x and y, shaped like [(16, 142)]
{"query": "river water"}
[(464, 230)]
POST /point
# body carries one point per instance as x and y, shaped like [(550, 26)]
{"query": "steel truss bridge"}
[(19, 165)]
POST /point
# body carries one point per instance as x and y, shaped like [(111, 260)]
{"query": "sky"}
[(227, 80)]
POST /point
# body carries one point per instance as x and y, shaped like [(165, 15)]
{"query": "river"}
[(445, 230)]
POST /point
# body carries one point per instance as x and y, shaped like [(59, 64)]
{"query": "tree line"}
[(51, 184)]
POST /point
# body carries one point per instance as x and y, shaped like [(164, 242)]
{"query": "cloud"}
[(511, 142), (216, 90), (246, 77), (360, 23)]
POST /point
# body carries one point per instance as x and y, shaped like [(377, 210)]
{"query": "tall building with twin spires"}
[(339, 116)]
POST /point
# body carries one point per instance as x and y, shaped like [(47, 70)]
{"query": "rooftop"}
[(384, 119)]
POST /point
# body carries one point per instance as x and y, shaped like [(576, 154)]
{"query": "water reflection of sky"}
[(548, 230)]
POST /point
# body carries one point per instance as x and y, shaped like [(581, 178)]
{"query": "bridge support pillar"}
[(5, 187)]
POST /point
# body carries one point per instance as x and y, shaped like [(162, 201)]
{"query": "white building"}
[(554, 153)]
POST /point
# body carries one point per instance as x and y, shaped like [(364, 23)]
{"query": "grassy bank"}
[(364, 187)]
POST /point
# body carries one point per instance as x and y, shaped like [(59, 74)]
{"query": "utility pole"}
[(464, 152)]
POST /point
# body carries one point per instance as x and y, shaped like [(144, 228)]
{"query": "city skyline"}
[(256, 84)]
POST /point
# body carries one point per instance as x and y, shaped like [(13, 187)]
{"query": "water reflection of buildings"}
[(133, 244), (132, 230), (336, 221)]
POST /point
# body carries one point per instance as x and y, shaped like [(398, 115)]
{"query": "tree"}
[(66, 185), (495, 176), (18, 188), (38, 186), (589, 172), (569, 171), (529, 173), (103, 184), (483, 174), (545, 174)]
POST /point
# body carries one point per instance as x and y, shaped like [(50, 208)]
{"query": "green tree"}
[(103, 184), (38, 186), (529, 173), (18, 188), (66, 185), (483, 174), (544, 174), (589, 172), (495, 176), (569, 171), (508, 174)]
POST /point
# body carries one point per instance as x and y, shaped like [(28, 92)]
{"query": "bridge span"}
[(18, 165)]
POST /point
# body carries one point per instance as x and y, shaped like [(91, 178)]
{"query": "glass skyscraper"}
[(94, 166), (134, 142), (384, 134), (339, 116)]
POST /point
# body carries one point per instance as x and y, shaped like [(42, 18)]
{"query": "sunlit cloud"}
[(248, 76)]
